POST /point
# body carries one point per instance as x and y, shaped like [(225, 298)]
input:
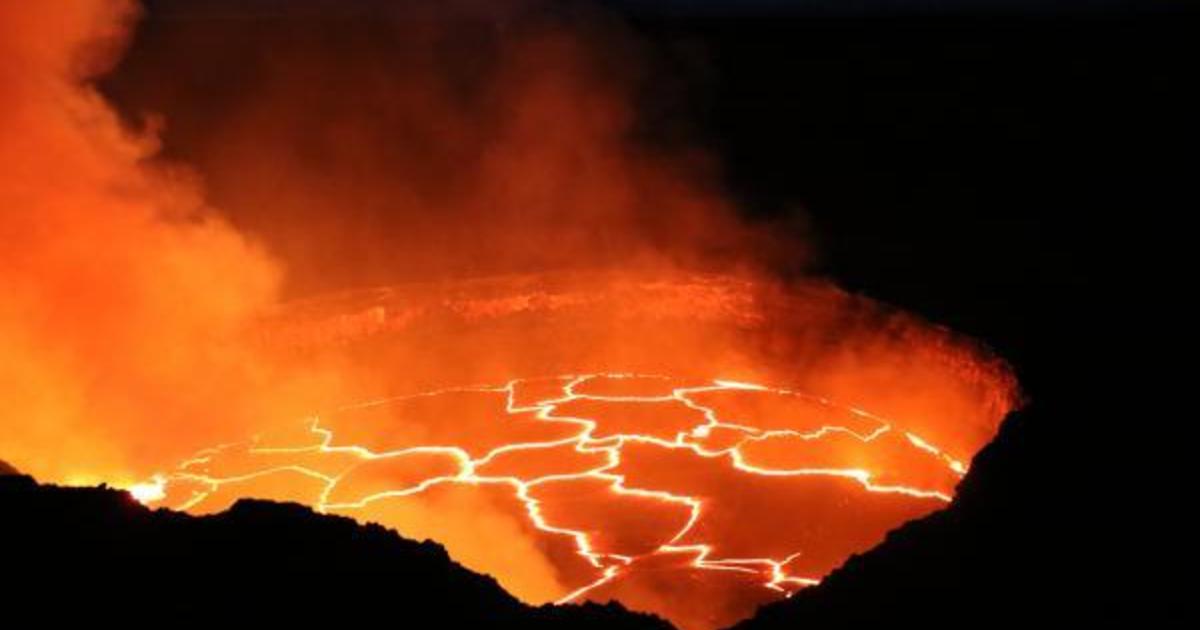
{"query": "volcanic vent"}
[(592, 437)]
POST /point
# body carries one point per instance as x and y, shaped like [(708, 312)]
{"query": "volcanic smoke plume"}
[(581, 377), (122, 297)]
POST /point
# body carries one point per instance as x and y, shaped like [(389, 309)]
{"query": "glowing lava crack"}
[(646, 489)]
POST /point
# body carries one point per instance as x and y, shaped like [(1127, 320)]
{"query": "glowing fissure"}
[(771, 572)]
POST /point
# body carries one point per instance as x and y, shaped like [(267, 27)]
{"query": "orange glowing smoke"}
[(124, 300), (759, 433)]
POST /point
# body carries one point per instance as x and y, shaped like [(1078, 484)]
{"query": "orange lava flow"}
[(645, 489)]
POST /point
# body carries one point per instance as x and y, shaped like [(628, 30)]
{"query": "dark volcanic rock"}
[(1008, 550), (97, 553), (7, 469)]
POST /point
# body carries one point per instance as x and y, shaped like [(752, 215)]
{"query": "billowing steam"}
[(123, 299)]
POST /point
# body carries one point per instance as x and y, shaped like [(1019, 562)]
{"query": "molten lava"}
[(645, 488)]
